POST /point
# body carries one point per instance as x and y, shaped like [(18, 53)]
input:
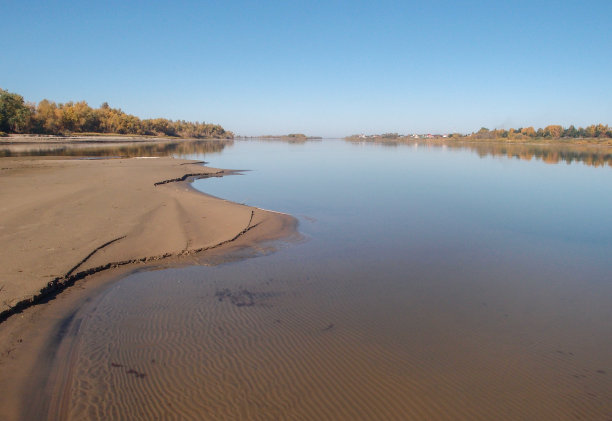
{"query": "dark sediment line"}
[(196, 162), (59, 284), (241, 233), (91, 254), (186, 176)]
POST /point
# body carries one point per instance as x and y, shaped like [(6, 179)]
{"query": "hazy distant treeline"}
[(552, 132), (594, 131), (48, 117)]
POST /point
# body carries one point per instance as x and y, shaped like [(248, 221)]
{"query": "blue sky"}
[(328, 68)]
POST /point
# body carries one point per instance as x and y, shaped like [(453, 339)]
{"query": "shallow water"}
[(435, 283)]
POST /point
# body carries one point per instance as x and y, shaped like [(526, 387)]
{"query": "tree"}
[(47, 118), (601, 130), (590, 131), (14, 113), (529, 131), (553, 131), (570, 132)]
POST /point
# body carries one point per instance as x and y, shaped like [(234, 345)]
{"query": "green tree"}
[(14, 113), (570, 132)]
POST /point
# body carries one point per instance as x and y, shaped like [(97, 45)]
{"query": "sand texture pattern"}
[(62, 219), (296, 345)]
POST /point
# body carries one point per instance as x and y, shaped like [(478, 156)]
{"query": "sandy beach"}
[(64, 217), (65, 221)]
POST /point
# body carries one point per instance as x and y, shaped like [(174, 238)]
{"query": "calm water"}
[(434, 283)]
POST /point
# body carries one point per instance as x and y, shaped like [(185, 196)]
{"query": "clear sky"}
[(329, 68)]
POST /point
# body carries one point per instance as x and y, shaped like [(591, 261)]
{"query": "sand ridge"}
[(63, 219)]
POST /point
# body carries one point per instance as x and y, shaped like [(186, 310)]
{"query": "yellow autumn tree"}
[(554, 131), (529, 131)]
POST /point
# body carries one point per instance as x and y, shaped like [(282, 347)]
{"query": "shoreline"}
[(71, 227), (106, 138)]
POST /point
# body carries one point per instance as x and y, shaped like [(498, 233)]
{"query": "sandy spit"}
[(64, 218)]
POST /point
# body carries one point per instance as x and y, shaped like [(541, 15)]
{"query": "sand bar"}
[(61, 218)]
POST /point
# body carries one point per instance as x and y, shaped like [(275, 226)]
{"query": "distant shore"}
[(291, 138)]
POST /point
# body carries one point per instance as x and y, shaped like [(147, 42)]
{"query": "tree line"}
[(595, 133), (48, 117), (548, 132)]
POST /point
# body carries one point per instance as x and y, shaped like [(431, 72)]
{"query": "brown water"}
[(435, 284)]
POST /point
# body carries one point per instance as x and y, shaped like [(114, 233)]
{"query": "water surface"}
[(435, 283), (102, 148)]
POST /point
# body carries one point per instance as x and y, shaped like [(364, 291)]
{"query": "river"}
[(430, 282)]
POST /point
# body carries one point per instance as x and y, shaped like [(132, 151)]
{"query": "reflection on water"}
[(550, 154), (435, 284), (116, 149), (285, 139), (595, 156)]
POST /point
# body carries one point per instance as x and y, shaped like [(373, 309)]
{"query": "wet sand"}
[(250, 342), (64, 220)]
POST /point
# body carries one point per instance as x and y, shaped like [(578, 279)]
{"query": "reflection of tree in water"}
[(108, 149), (290, 139), (551, 154)]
